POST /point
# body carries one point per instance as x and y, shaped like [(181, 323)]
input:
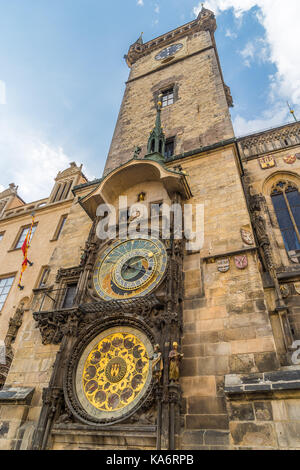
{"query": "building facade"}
[(139, 342)]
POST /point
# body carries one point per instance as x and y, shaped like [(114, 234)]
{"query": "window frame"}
[(6, 277), (59, 227), (168, 141), (166, 94), (68, 286), (282, 188), (19, 235)]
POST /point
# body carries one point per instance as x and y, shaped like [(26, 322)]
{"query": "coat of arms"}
[(267, 162), (297, 287), (223, 265), (290, 159), (247, 237), (241, 261)]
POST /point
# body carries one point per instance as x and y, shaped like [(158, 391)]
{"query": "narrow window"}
[(69, 296), (169, 148), (1, 236), (286, 201), (60, 227), (56, 193), (22, 236), (168, 97), (5, 286), (44, 277)]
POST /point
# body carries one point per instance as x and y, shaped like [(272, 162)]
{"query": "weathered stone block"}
[(263, 411), (208, 405), (241, 412), (216, 438), (253, 435)]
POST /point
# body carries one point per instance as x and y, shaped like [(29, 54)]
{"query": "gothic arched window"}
[(286, 202)]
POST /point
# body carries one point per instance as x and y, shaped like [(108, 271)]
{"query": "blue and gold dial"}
[(130, 268)]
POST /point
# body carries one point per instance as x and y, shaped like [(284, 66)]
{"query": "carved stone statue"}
[(174, 362), (157, 363)]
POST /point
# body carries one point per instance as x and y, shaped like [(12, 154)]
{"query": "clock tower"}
[(183, 65)]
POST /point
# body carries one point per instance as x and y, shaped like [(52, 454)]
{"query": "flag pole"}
[(292, 111)]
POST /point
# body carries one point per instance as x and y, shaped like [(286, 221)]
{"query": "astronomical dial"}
[(114, 373), (130, 268), (169, 51)]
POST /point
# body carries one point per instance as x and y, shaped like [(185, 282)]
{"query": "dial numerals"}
[(169, 51), (130, 268)]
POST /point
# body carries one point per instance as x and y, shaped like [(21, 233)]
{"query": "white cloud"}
[(33, 162), (156, 9), (280, 46), (2, 92), (140, 3), (255, 51), (230, 34)]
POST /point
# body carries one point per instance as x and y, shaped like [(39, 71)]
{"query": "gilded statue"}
[(174, 363)]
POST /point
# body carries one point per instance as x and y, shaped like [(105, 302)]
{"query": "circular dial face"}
[(130, 268), (169, 51), (113, 373)]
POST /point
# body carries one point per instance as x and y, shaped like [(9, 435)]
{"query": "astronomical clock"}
[(118, 365)]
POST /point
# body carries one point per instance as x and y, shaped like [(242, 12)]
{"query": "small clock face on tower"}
[(169, 51), (130, 268)]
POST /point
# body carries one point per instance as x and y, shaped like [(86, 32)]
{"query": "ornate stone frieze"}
[(67, 273), (270, 140)]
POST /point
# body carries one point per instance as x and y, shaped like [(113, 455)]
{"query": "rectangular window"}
[(22, 236), (60, 227), (44, 277), (170, 147), (167, 97), (69, 296), (5, 285), (1, 236)]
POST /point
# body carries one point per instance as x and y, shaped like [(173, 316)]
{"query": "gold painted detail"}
[(115, 372), (116, 369), (267, 162)]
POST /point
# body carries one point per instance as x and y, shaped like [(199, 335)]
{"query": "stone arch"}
[(275, 178)]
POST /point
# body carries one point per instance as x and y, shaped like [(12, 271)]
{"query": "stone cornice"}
[(204, 22)]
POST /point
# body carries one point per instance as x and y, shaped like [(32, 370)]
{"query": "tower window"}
[(170, 147), (167, 97), (5, 286), (286, 202), (62, 191)]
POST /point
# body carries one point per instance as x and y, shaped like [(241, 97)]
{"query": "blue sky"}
[(62, 75)]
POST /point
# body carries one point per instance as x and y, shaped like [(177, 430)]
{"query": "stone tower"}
[(183, 65)]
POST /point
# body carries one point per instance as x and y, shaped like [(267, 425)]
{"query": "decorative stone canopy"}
[(135, 171)]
